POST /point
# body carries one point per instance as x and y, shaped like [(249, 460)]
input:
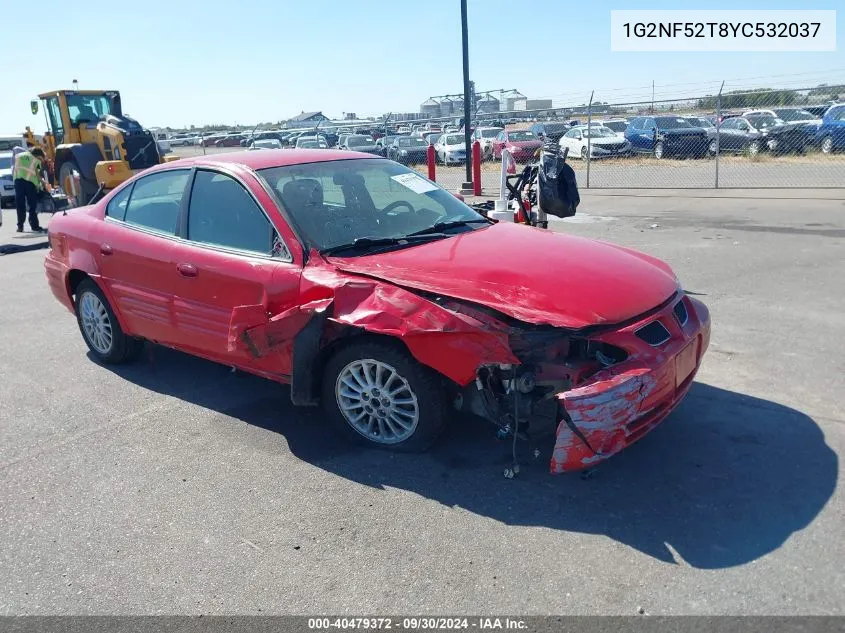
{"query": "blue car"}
[(830, 136), (666, 136)]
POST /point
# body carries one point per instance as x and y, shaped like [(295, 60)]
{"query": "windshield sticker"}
[(415, 183)]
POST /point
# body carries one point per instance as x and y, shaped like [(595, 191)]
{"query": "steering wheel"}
[(398, 203)]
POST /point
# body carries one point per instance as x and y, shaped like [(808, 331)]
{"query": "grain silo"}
[(430, 109)]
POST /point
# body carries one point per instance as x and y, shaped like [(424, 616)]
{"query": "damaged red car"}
[(381, 297)]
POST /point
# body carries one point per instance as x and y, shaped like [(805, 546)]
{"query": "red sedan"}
[(522, 144), (382, 297)]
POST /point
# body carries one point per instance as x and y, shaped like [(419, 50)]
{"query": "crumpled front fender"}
[(452, 343)]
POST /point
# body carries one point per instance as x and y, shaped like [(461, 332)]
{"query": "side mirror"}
[(33, 105)]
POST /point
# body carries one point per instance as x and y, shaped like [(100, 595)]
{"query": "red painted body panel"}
[(246, 310), (621, 404), (531, 274)]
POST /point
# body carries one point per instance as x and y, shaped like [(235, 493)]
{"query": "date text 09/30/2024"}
[(417, 623)]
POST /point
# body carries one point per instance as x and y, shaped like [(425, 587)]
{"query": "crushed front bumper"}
[(621, 404)]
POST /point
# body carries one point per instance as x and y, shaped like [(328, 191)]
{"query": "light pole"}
[(467, 186)]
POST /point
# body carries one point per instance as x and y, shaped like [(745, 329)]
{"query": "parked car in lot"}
[(266, 143), (431, 137), (618, 126), (708, 126), (311, 142), (830, 135), (7, 185), (450, 149), (601, 141), (376, 302), (757, 133), (663, 136), (383, 143), (550, 131), (408, 150), (788, 115), (360, 143), (522, 144), (485, 136)]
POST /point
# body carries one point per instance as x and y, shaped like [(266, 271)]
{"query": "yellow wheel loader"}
[(91, 146)]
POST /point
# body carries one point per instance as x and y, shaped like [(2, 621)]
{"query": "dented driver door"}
[(231, 274)]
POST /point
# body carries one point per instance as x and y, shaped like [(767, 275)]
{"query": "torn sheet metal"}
[(452, 343)]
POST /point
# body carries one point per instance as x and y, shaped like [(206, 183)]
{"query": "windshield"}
[(407, 141), (5, 162), (795, 115), (87, 108), (453, 139), (672, 123), (616, 126), (699, 122), (598, 132), (764, 121), (493, 132), (554, 128), (358, 140), (312, 144), (335, 202), (522, 135)]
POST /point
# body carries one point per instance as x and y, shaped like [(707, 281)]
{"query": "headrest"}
[(303, 192)]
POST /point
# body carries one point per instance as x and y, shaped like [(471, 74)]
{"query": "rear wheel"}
[(377, 394), (100, 328)]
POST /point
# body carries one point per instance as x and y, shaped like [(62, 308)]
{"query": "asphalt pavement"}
[(176, 486)]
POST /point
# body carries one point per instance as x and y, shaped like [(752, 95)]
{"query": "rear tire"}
[(376, 394), (100, 328)]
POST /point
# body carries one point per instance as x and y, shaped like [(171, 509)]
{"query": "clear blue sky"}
[(178, 62)]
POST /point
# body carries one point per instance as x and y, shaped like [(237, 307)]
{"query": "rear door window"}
[(156, 200)]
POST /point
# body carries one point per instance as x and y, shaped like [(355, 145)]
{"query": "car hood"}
[(525, 144), (534, 275), (609, 140), (686, 131)]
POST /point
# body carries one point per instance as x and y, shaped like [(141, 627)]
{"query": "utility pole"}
[(652, 96), (466, 186)]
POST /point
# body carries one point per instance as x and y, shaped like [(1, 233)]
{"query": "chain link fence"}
[(761, 138)]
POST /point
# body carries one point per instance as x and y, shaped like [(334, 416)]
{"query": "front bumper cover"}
[(621, 404)]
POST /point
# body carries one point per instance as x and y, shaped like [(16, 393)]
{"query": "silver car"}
[(450, 149)]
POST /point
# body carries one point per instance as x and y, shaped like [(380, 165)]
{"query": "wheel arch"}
[(77, 274)]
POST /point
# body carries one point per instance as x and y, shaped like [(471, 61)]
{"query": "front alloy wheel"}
[(377, 402), (374, 392), (658, 150)]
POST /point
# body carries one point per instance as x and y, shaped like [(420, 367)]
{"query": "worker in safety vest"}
[(28, 185)]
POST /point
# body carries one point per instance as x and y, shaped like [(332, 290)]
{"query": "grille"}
[(141, 151), (655, 333), (680, 311)]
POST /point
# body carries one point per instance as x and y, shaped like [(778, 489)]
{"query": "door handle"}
[(106, 249), (187, 270)]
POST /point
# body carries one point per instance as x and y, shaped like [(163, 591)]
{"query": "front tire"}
[(100, 328), (658, 150), (754, 148), (376, 394), (69, 169)]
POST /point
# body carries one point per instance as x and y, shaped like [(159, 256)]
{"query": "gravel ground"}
[(174, 486)]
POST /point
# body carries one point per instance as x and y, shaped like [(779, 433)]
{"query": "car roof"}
[(267, 159)]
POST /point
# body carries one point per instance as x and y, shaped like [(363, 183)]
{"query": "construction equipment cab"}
[(92, 145)]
